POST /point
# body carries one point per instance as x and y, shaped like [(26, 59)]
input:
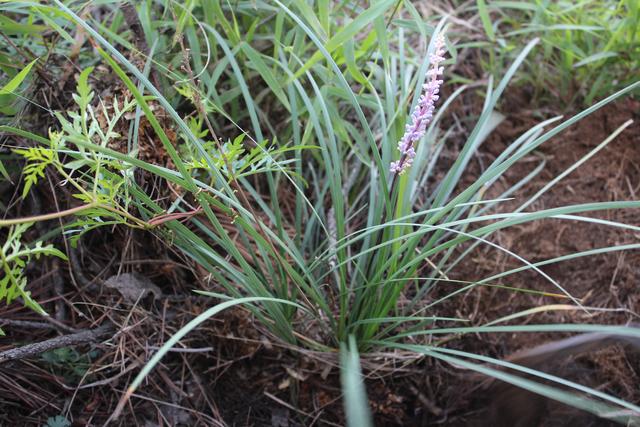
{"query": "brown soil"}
[(613, 174), (602, 281)]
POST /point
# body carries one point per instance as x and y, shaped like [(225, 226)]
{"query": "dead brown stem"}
[(83, 337)]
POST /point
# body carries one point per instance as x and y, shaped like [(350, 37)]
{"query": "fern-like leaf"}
[(15, 256), (38, 158)]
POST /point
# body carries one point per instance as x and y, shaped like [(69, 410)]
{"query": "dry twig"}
[(83, 337)]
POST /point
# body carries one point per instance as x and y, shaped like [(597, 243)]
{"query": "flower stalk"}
[(420, 118), (423, 112)]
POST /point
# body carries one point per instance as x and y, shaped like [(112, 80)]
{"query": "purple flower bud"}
[(423, 113)]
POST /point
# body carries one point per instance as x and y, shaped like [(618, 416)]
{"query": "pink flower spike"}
[(423, 113)]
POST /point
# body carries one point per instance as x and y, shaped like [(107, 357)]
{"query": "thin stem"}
[(72, 181), (46, 217), (61, 214)]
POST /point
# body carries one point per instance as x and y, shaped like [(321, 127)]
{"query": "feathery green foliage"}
[(15, 256)]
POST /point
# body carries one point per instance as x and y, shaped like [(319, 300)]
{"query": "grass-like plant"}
[(321, 95), (588, 49)]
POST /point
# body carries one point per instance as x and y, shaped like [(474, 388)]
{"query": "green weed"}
[(588, 49)]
